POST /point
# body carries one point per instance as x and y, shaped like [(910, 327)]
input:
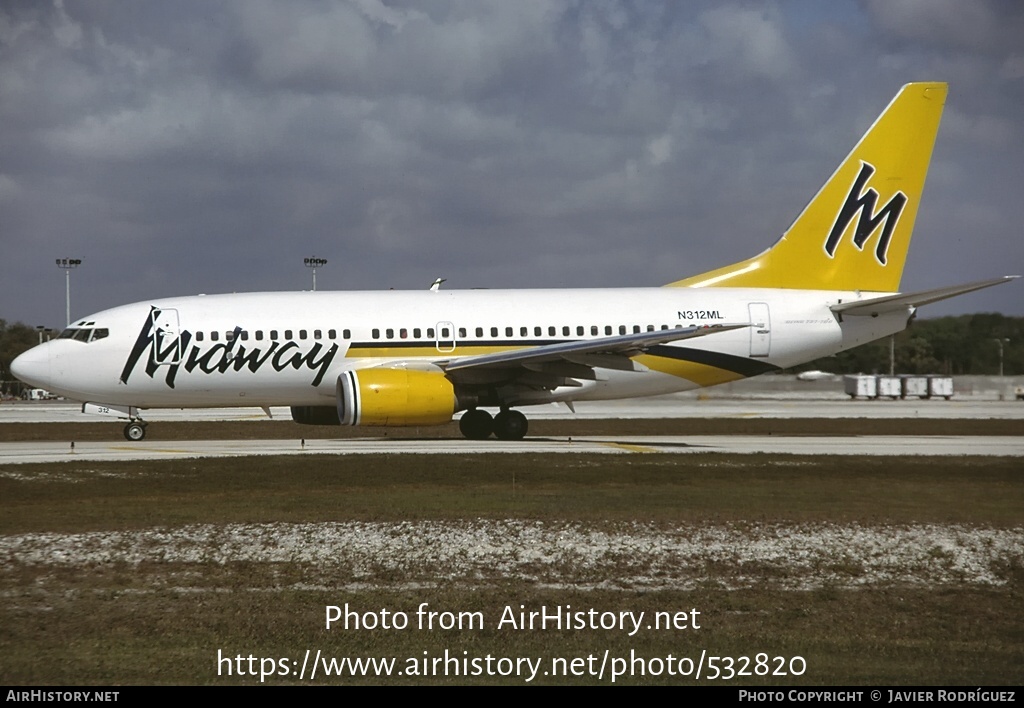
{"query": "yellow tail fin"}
[(854, 234)]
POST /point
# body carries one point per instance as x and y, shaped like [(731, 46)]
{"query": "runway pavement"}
[(34, 452), (777, 405), (756, 398)]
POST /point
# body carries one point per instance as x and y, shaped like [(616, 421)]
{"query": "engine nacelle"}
[(395, 397), (315, 415)]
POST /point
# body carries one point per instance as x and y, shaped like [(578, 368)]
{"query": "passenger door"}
[(166, 337), (761, 331)]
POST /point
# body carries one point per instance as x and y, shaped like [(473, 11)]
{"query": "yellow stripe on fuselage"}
[(700, 374)]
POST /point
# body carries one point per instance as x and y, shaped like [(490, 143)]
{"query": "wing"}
[(558, 364)]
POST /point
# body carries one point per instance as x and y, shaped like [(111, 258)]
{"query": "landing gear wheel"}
[(476, 424), (510, 425), (134, 431)]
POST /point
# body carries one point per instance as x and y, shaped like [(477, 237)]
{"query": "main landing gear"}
[(477, 424), (135, 431)]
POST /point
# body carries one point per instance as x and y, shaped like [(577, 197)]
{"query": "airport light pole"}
[(314, 263), (1000, 341), (68, 264)]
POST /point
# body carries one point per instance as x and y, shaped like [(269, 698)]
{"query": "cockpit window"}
[(82, 334)]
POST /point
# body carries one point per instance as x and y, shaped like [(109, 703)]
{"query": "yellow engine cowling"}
[(395, 397)]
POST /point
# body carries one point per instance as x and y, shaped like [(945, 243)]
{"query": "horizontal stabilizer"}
[(892, 303)]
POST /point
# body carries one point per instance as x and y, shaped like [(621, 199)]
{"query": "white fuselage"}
[(268, 349)]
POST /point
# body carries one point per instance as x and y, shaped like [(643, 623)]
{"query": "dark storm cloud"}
[(202, 147)]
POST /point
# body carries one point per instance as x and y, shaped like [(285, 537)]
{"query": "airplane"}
[(814, 375), (417, 358)]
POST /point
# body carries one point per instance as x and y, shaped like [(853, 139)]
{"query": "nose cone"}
[(33, 367)]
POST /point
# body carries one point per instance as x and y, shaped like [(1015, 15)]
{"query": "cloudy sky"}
[(191, 146)]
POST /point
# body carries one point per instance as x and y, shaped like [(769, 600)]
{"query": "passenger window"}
[(375, 333), (199, 336), (430, 332), (622, 329), (389, 333), (259, 335), (444, 332), (636, 329), (508, 331), (332, 334), (537, 331), (318, 334), (288, 334), (302, 334), (416, 332), (494, 331), (565, 330), (245, 336), (551, 331), (462, 332), (664, 327), (593, 330), (650, 328), (608, 329), (214, 336), (346, 334), (479, 332), (273, 334), (579, 330), (403, 333), (523, 331)]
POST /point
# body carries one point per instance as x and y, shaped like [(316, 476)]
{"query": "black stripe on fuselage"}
[(729, 362)]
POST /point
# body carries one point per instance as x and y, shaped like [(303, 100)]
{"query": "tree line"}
[(953, 346)]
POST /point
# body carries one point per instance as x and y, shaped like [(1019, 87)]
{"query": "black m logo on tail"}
[(861, 205)]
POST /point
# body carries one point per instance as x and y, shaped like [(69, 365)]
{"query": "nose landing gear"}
[(135, 431)]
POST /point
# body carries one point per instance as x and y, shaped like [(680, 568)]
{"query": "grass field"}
[(872, 571)]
